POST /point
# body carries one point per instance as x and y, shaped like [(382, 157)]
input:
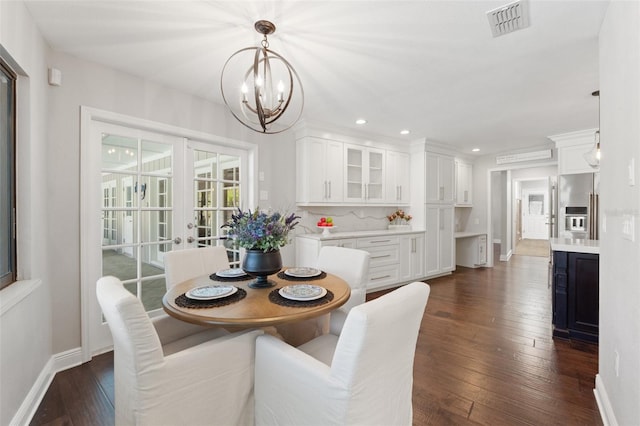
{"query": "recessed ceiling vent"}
[(509, 18)]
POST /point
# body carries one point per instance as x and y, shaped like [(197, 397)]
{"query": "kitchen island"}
[(575, 288)]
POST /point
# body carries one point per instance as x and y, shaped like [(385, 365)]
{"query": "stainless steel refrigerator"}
[(578, 205)]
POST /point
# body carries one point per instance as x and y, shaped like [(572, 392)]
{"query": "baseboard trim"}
[(506, 257), (58, 362), (604, 405)]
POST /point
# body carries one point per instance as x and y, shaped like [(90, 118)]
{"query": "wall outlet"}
[(264, 195), (616, 363), (476, 221), (261, 176)]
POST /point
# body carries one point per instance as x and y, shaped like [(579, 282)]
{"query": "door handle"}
[(177, 240), (190, 239)]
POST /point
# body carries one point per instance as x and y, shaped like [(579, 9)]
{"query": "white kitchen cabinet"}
[(319, 171), (572, 148), (471, 252), (439, 178), (397, 178), (463, 183), (440, 248), (307, 249), (365, 174), (571, 159), (412, 259), (395, 257)]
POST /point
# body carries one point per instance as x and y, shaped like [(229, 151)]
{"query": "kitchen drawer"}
[(364, 243), (384, 255), (381, 276)]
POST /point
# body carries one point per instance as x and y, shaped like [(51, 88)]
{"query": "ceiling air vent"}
[(509, 18)]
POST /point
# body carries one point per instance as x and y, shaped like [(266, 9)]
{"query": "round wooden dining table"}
[(256, 309)]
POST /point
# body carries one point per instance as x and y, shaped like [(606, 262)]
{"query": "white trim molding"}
[(58, 362), (604, 405), (12, 295)]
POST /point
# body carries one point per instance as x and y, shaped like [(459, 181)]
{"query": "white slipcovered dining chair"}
[(182, 265), (179, 381), (351, 265), (362, 377)]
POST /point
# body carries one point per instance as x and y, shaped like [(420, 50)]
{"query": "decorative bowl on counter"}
[(326, 229)]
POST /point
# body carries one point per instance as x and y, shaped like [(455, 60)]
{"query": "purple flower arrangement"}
[(259, 230)]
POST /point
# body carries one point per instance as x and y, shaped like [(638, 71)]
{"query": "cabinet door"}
[(319, 171), (463, 183), (447, 262), (417, 256), (397, 177), (440, 178), (333, 160), (446, 179), (432, 184), (432, 246), (583, 301), (364, 170), (310, 182), (354, 171), (375, 176)]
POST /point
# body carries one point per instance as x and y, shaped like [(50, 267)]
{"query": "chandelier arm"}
[(256, 89)]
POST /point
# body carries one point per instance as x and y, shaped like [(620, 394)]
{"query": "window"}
[(7, 176)]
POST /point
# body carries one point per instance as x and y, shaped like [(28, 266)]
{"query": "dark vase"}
[(261, 264)]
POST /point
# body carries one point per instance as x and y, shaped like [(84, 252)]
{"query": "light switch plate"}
[(632, 172), (628, 227)]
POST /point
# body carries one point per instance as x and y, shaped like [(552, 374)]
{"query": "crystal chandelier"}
[(259, 91)]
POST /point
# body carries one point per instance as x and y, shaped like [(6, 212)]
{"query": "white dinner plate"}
[(231, 273), (303, 272), (210, 292), (302, 292)]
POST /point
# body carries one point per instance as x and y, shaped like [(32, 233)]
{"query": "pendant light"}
[(593, 156), (261, 88)]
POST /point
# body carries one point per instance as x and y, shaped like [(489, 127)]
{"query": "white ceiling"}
[(429, 66)]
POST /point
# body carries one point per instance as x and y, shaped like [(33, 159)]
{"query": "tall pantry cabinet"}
[(439, 214)]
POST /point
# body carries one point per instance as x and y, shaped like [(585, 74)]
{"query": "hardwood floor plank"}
[(485, 356)]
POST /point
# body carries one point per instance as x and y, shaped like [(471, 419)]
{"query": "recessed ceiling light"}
[(361, 121), (404, 132), (475, 149)]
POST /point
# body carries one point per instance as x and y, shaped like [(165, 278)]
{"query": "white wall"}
[(619, 266), (25, 312), (91, 84)]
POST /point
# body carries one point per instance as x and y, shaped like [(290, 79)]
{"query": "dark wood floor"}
[(484, 356)]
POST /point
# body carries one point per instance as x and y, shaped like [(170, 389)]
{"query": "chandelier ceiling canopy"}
[(261, 88)]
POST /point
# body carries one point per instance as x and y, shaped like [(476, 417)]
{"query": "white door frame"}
[(91, 121), (490, 260)]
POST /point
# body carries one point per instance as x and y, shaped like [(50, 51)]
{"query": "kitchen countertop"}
[(575, 245), (468, 234), (359, 234)]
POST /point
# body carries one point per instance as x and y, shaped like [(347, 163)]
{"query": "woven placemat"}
[(275, 297), (215, 277), (184, 302), (284, 276)]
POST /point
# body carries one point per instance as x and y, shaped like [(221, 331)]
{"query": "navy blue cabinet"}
[(575, 295)]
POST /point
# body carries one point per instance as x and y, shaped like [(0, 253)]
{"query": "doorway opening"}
[(523, 210)]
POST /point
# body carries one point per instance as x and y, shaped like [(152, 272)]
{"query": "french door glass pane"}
[(137, 201), (216, 195)]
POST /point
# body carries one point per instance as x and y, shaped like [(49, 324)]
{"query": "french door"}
[(150, 193)]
